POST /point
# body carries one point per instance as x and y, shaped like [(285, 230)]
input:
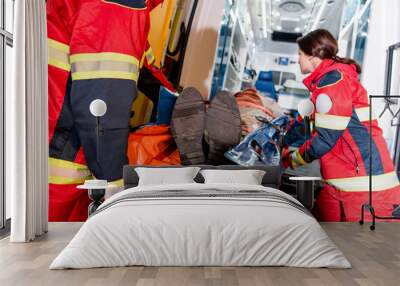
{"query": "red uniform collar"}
[(324, 67)]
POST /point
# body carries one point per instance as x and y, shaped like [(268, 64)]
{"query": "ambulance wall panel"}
[(266, 61), (161, 18), (200, 52)]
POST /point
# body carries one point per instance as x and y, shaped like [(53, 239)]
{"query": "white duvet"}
[(203, 231)]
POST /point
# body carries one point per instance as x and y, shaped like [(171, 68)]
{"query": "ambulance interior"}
[(259, 37), (256, 46)]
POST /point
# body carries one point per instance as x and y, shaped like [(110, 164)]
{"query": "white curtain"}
[(26, 121), (384, 30)]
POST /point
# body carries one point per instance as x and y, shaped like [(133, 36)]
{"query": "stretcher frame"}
[(389, 100)]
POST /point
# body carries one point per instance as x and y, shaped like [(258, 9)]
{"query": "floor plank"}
[(375, 257)]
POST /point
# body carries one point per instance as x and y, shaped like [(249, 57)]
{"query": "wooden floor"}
[(375, 257)]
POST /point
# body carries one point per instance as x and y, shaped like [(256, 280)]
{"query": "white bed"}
[(203, 225)]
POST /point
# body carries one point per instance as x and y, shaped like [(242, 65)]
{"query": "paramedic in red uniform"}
[(96, 48), (341, 136)]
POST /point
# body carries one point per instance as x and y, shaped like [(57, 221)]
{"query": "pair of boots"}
[(202, 134)]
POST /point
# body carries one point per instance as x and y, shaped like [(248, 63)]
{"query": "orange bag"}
[(153, 145)]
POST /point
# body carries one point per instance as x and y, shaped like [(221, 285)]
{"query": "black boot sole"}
[(187, 126), (222, 127)]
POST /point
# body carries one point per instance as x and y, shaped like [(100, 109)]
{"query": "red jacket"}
[(341, 138), (92, 40)]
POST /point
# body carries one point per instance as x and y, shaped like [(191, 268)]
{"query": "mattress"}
[(201, 225)]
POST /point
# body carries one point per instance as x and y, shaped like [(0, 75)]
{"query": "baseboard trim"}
[(5, 231)]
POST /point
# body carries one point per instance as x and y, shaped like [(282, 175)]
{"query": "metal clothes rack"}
[(390, 100), (369, 206)]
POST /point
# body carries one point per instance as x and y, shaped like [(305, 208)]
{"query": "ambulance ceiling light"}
[(292, 6)]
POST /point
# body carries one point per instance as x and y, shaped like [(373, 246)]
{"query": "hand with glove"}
[(295, 134), (292, 158)]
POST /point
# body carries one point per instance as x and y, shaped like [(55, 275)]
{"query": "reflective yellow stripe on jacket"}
[(149, 56), (104, 65), (361, 184), (58, 55), (63, 172), (329, 121), (363, 114)]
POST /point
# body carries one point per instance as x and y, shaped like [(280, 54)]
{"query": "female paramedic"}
[(341, 136)]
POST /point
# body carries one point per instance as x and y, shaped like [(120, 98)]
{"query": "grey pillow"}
[(247, 177), (166, 176)]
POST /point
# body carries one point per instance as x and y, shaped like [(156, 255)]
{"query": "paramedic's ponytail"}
[(321, 44), (347, 61)]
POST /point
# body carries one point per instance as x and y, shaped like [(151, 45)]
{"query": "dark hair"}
[(321, 44)]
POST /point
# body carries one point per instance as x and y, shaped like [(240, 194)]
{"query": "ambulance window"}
[(362, 34), (288, 75)]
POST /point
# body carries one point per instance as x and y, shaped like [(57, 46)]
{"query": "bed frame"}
[(272, 177)]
